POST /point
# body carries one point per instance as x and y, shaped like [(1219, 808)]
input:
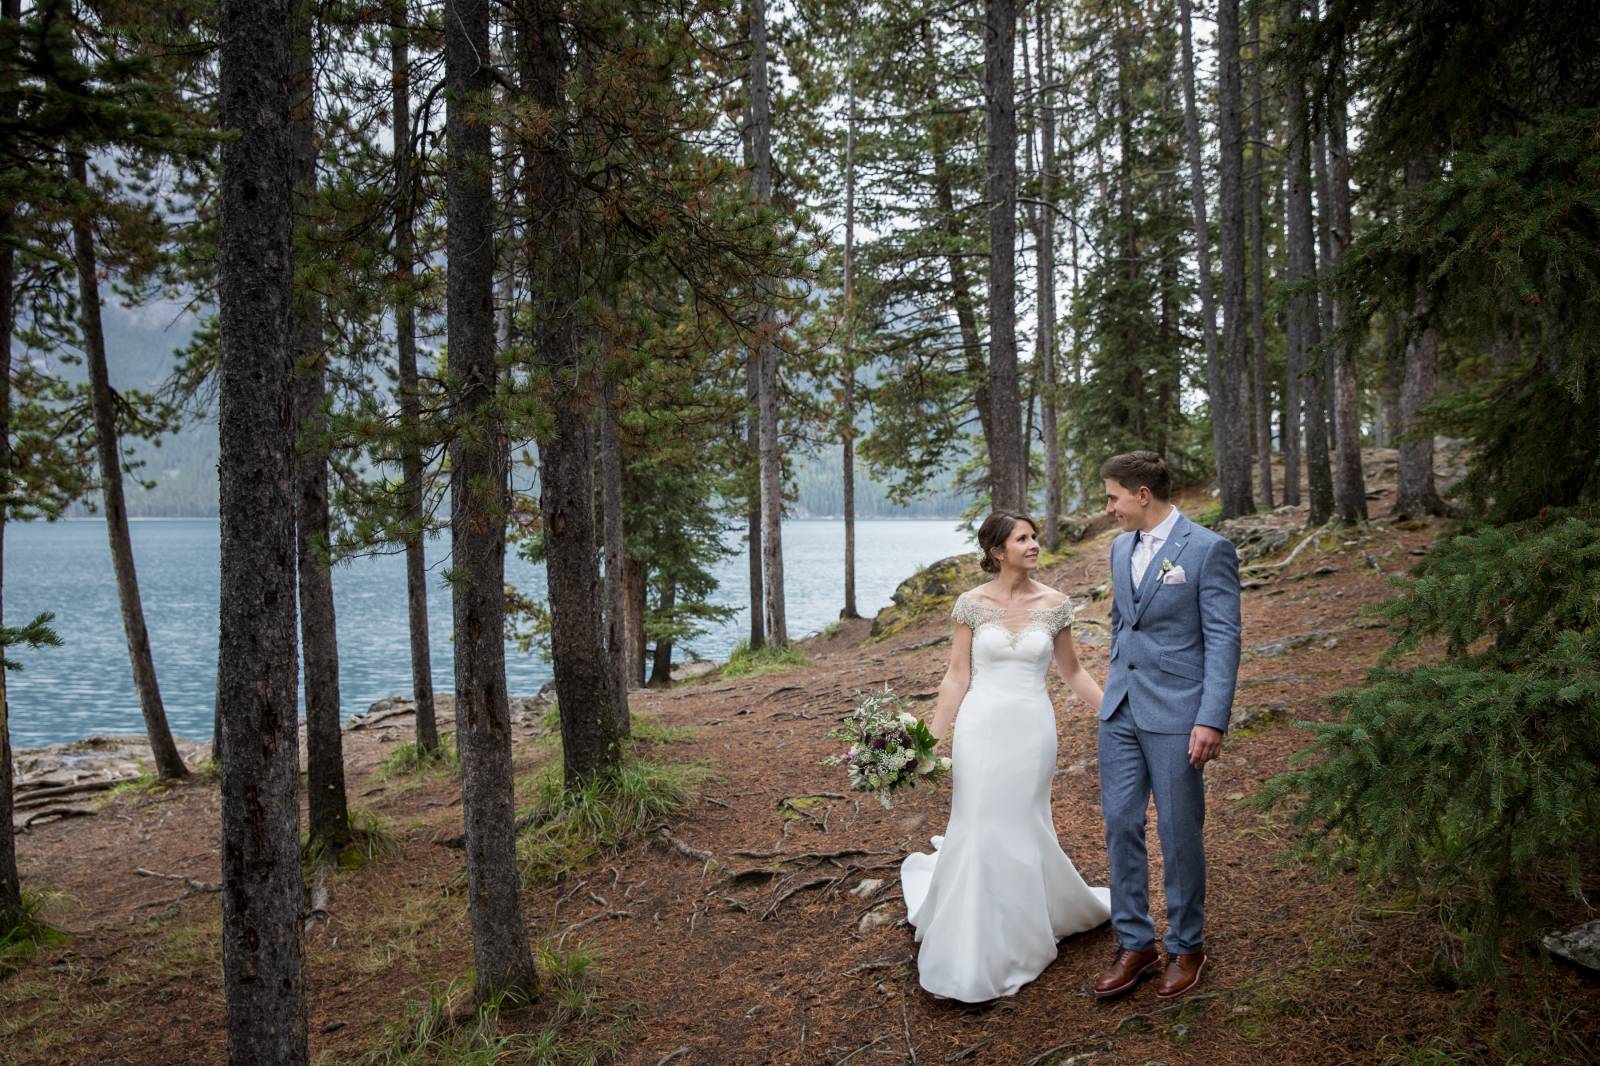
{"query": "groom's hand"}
[(1205, 744)]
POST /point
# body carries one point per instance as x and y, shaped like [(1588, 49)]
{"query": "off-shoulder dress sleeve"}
[(1057, 618), (966, 612)]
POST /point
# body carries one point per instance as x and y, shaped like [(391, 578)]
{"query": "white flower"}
[(926, 763), (906, 719), (944, 762)]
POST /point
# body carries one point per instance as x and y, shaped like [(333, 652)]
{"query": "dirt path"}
[(725, 963)]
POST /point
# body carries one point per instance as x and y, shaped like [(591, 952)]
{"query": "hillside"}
[(764, 923)]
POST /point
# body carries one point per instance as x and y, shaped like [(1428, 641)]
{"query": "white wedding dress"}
[(997, 892)]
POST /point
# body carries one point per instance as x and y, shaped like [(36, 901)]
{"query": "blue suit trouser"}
[(1133, 764)]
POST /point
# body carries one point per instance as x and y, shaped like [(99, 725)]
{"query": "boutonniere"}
[(1166, 566)]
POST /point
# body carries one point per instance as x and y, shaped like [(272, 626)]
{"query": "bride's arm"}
[(1072, 671), (957, 677)]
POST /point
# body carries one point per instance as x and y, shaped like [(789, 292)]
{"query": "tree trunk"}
[(1258, 244), (1048, 361), (410, 402), (1005, 443), (848, 415), (262, 885), (169, 764), (949, 225), (1349, 487), (10, 883), (478, 469), (661, 661), (1290, 419), (633, 580), (1234, 462), (1220, 417), (328, 814), (1303, 304), (766, 347), (615, 612), (586, 682), (752, 381), (1415, 492)]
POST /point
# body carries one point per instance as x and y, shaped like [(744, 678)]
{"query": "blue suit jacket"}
[(1175, 649)]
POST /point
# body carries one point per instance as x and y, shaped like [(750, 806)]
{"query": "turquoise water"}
[(86, 687)]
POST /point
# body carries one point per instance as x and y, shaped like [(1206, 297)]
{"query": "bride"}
[(997, 893)]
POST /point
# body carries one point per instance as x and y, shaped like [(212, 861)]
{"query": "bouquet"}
[(890, 748)]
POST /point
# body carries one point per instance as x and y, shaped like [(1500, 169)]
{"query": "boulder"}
[(1580, 946), (1257, 536), (1076, 528), (696, 668), (933, 588)]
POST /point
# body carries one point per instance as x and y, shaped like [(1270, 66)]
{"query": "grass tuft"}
[(370, 837), (742, 662), (31, 934), (572, 1028), (407, 758), (566, 828)]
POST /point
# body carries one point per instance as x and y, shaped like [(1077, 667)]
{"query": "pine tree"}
[(261, 875)]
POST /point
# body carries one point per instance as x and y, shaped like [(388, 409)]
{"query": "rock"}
[(882, 914), (1579, 946), (1077, 528), (1283, 645), (390, 703), (1256, 536), (547, 691), (691, 670), (1324, 571), (1260, 716), (933, 588), (867, 887)]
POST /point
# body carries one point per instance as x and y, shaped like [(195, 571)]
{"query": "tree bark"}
[(10, 883), (615, 616), (1258, 244), (410, 400), (1220, 418), (1349, 487), (262, 885), (586, 681), (766, 347), (1048, 422), (1234, 463), (661, 660), (1415, 491), (1006, 453), (848, 414), (328, 813), (1303, 304), (169, 764), (478, 472), (633, 580), (752, 439), (1293, 360)]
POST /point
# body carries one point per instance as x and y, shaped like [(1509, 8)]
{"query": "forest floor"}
[(761, 954)]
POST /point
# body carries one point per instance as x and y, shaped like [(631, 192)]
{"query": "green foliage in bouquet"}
[(890, 747), (1473, 781)]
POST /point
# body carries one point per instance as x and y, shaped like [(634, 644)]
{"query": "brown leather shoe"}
[(1181, 974), (1126, 970)]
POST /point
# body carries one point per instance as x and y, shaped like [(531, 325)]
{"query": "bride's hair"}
[(994, 533)]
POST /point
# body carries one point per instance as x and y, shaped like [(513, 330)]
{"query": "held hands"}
[(1205, 744)]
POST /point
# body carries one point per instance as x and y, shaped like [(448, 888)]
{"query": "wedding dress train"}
[(997, 892)]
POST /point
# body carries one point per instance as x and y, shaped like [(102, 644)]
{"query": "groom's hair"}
[(1139, 469)]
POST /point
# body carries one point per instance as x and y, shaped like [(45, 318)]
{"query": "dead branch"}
[(862, 1048), (592, 918), (905, 1025), (968, 1052), (883, 964), (194, 885), (815, 882)]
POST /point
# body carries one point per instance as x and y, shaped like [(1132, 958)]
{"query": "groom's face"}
[(1130, 506)]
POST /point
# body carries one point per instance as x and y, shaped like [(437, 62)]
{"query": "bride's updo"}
[(994, 533)]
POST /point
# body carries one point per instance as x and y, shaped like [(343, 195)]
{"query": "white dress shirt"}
[(1147, 546)]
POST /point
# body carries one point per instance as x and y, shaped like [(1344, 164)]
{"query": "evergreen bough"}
[(1473, 781)]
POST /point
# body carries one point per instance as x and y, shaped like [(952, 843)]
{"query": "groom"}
[(1174, 661)]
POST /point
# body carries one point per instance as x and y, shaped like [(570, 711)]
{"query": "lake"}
[(86, 686)]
